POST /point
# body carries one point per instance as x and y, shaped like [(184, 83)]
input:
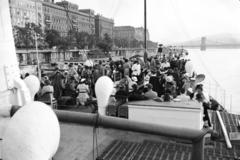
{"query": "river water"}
[(222, 70)]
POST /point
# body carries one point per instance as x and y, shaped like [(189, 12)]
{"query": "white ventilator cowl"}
[(103, 90), (33, 84), (33, 133)]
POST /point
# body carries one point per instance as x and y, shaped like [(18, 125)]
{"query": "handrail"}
[(227, 140), (195, 136), (125, 124)]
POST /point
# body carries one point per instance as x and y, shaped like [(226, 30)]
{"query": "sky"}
[(172, 21)]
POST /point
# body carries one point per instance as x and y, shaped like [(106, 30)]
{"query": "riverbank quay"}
[(49, 58)]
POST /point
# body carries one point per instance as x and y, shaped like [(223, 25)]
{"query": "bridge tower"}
[(203, 43)]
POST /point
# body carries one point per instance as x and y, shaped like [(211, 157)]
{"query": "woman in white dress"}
[(83, 92)]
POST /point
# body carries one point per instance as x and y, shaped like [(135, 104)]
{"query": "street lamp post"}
[(145, 24), (36, 43), (38, 64)]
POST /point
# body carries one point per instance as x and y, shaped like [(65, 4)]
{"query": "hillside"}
[(215, 40)]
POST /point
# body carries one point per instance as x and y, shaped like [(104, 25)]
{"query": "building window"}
[(24, 14), (20, 58)]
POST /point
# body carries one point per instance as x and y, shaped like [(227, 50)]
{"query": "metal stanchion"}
[(224, 99), (231, 103)]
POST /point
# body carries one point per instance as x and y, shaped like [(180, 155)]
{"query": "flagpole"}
[(145, 30), (36, 43)]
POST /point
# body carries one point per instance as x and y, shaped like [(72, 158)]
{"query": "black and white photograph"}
[(119, 80)]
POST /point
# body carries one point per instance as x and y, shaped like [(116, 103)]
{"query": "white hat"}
[(169, 78), (83, 80), (190, 90), (134, 79), (192, 78)]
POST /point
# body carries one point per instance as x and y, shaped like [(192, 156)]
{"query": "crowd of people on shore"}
[(162, 77)]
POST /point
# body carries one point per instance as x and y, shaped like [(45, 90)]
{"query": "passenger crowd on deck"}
[(162, 77)]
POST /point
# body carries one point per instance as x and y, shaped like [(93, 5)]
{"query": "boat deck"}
[(230, 121), (162, 150), (77, 144), (77, 141)]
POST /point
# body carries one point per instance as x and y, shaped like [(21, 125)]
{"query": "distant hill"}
[(215, 40)]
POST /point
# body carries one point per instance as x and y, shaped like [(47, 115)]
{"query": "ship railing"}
[(221, 95), (196, 137), (211, 85)]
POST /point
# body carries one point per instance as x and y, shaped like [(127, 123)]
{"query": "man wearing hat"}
[(160, 49), (170, 85), (150, 93)]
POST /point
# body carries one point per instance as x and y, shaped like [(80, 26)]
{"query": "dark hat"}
[(47, 82), (149, 86)]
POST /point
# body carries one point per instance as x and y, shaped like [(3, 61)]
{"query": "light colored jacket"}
[(136, 69)]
